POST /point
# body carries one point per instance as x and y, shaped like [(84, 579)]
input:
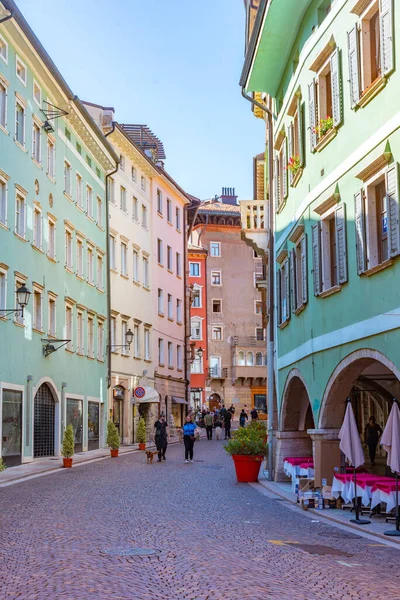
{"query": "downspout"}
[(271, 285), (186, 308)]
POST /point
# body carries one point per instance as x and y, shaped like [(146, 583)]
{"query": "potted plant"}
[(293, 164), (2, 465), (141, 433), (68, 446), (323, 126), (248, 448), (113, 441)]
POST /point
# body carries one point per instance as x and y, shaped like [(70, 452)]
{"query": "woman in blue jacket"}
[(188, 438)]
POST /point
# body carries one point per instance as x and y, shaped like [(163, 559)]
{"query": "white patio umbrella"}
[(350, 445), (390, 440)]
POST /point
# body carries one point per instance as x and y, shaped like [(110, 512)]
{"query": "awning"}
[(151, 395), (177, 400)]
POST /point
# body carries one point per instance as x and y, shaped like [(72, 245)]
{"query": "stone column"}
[(290, 443), (326, 453)]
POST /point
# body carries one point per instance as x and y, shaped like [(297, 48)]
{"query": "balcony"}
[(218, 372), (249, 341), (255, 231)]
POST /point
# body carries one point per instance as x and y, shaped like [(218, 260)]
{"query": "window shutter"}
[(312, 104), (285, 171), (278, 297), (354, 66), (316, 254), (360, 232), (304, 274), (287, 292), (276, 182), (290, 146), (336, 88), (386, 25), (341, 243), (392, 192), (293, 290), (300, 135)]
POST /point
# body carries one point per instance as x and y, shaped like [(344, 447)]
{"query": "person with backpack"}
[(254, 414), (161, 437), (243, 417)]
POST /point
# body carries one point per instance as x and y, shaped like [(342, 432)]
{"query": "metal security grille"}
[(44, 422)]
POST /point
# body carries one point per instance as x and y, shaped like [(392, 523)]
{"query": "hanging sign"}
[(139, 392)]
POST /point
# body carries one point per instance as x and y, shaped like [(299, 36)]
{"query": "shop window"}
[(298, 275), (329, 251), (93, 425)]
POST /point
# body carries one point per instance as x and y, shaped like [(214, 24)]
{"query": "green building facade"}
[(53, 240)]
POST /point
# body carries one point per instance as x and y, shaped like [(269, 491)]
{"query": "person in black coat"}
[(161, 438)]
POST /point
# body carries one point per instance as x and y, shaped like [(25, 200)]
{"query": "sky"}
[(173, 65)]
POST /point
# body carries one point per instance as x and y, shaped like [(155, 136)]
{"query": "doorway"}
[(43, 426), (11, 450), (75, 418), (118, 409)]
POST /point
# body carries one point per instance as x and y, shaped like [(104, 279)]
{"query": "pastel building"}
[(54, 162)]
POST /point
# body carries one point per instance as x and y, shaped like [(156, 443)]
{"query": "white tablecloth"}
[(389, 499)]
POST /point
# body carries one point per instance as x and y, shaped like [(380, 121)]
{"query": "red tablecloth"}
[(296, 460), (387, 486)]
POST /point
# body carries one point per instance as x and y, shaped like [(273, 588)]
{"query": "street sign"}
[(139, 392)]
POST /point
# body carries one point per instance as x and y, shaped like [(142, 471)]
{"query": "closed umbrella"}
[(350, 445), (390, 440)]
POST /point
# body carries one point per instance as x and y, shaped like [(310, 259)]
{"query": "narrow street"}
[(72, 536)]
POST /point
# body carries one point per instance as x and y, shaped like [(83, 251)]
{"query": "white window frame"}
[(170, 266), (160, 252), (194, 264), (135, 209), (99, 211), (37, 227), (179, 361), (19, 196), (20, 62), (112, 247), (51, 239), (161, 357), (159, 202), (146, 272), (178, 218), (136, 340), (52, 314), (217, 245), (36, 142), (69, 327), (199, 292), (170, 355), (38, 101), (3, 198), (90, 336), (178, 265), (4, 55), (122, 199), (124, 259), (147, 343), (217, 330), (179, 311), (160, 302), (100, 271), (51, 158), (124, 329), (79, 190), (3, 291), (18, 281), (80, 333), (90, 267), (144, 216), (111, 190), (100, 340), (169, 211), (37, 312), (143, 183), (20, 104), (133, 173), (135, 265), (170, 308), (89, 201), (3, 114), (67, 178), (213, 274), (196, 328), (113, 335)]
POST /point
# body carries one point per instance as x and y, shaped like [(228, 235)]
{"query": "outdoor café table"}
[(343, 485), (307, 470), (291, 465), (384, 491), (365, 486)]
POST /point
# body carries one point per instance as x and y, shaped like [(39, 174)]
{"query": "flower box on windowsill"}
[(297, 177), (325, 139), (371, 91)]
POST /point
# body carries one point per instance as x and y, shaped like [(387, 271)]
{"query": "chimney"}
[(228, 196)]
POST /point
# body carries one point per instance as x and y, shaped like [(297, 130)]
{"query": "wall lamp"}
[(23, 295), (128, 339)]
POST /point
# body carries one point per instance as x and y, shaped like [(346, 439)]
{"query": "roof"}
[(145, 138), (219, 207), (194, 248)]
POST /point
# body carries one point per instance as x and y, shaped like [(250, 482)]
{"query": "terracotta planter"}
[(114, 453), (67, 463), (247, 467), (142, 446)]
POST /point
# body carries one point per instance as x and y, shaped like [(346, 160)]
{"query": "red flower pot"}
[(114, 453), (67, 463), (142, 446), (247, 467)]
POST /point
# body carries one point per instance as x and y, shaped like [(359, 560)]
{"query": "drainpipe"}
[(29, 380), (271, 285), (185, 307), (63, 406)]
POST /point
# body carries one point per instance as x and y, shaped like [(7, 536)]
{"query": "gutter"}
[(253, 42)]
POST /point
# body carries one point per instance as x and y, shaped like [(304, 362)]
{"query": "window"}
[(216, 333), (52, 327), (69, 263), (196, 298), (135, 266), (298, 275), (89, 201), (37, 228), (68, 328), (3, 104), (147, 352), (100, 340), (67, 178), (215, 248), (178, 265), (178, 218), (215, 366), (20, 123), (124, 263), (259, 334), (194, 269), (99, 202), (90, 337), (20, 217), (144, 216), (122, 162), (80, 343), (160, 257), (170, 307), (161, 352), (169, 258), (90, 264), (179, 357), (179, 311), (159, 202), (282, 288), (195, 329), (196, 366), (79, 190), (376, 219), (51, 158), (259, 359), (216, 278), (113, 334), (241, 361), (169, 210), (135, 213), (111, 245), (258, 307), (51, 251), (37, 310), (133, 173), (79, 257), (20, 70), (280, 174), (146, 281), (122, 204), (324, 98), (99, 273), (3, 49), (36, 142), (124, 329), (370, 48), (160, 302), (217, 306), (88, 161), (170, 355), (249, 359), (111, 190), (329, 251), (142, 183), (3, 201), (136, 341)]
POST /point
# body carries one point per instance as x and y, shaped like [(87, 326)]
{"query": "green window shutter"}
[(304, 274), (312, 105), (278, 297), (300, 132), (392, 193), (386, 26), (354, 65), (285, 171), (361, 249), (293, 286), (316, 255), (341, 243), (336, 88)]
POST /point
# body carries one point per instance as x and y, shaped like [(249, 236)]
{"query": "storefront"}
[(93, 425), (178, 410), (149, 408), (118, 409), (196, 399), (75, 418), (259, 401), (11, 427)]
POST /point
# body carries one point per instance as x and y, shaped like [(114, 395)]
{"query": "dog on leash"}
[(150, 455)]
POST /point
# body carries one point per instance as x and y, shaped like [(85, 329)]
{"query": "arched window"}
[(250, 359), (241, 360), (259, 359)]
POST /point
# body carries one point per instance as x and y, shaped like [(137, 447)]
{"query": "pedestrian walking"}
[(222, 411), (372, 434), (254, 414), (243, 417), (218, 427), (209, 422), (227, 423), (189, 429), (161, 438)]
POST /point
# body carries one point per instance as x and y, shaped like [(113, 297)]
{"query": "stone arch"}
[(295, 411)]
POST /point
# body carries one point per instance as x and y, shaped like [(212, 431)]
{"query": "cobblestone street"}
[(69, 535)]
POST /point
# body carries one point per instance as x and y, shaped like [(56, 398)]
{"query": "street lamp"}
[(128, 338), (22, 295)]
